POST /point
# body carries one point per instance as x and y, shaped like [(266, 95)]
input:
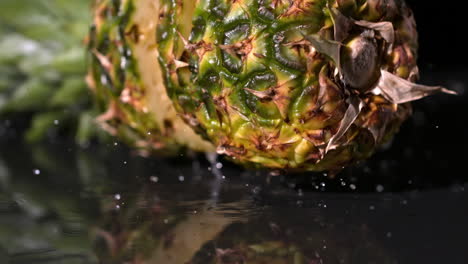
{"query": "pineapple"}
[(126, 79), (302, 85), (291, 84)]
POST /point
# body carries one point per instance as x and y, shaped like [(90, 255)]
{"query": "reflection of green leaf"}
[(41, 125), (86, 128)]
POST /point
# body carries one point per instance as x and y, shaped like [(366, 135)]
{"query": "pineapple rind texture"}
[(248, 77)]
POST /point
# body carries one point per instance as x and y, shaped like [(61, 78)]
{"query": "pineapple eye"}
[(236, 46), (287, 52)]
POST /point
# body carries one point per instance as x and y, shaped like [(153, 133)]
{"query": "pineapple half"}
[(126, 79), (297, 84), (288, 84)]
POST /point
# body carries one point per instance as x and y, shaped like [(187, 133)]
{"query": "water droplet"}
[(36, 171), (117, 196), (123, 63), (117, 207), (103, 79), (219, 165), (181, 178), (56, 122), (352, 186), (274, 173), (256, 189), (372, 208), (115, 143), (379, 188), (300, 192), (125, 162), (154, 179)]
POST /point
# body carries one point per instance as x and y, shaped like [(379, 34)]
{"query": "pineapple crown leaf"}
[(354, 109), (399, 91)]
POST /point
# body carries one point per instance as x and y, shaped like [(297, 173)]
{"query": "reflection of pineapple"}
[(79, 211), (167, 230), (297, 84)]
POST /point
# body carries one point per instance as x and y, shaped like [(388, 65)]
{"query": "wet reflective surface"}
[(103, 204)]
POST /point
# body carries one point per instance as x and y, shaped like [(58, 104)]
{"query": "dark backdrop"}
[(441, 26)]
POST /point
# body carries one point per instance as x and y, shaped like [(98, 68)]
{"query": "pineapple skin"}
[(125, 77), (245, 77)]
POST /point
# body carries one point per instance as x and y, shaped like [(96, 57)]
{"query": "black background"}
[(441, 26)]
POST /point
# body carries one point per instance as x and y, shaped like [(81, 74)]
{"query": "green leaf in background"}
[(42, 66), (71, 61), (71, 90), (15, 46), (29, 96)]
